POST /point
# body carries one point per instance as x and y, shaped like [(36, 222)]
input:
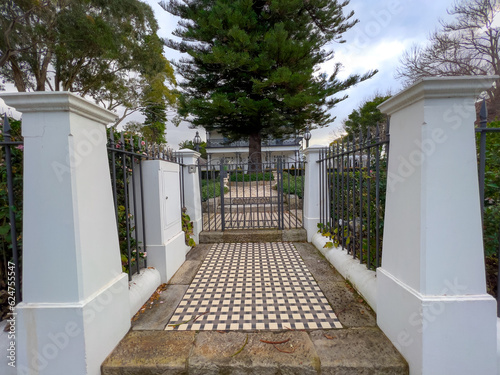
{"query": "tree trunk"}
[(17, 75), (254, 153)]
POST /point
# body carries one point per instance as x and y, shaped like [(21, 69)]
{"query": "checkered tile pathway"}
[(253, 286)]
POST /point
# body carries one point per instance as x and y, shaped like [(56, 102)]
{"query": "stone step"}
[(344, 351), (359, 347), (254, 235), (250, 200), (249, 208)]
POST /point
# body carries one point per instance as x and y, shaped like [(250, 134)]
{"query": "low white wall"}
[(361, 278), (141, 287)]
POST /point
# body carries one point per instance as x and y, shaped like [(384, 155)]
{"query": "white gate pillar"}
[(192, 193), (432, 301), (75, 305), (312, 199)]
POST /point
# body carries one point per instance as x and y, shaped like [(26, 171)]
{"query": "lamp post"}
[(197, 141), (307, 136)]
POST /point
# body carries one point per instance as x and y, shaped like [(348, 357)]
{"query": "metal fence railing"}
[(488, 149), (126, 153), (353, 177), (236, 196), (11, 208)]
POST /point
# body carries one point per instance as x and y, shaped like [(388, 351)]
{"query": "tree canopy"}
[(190, 145), (466, 45), (366, 117), (109, 51), (253, 66)]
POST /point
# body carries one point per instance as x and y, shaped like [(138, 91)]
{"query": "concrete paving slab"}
[(294, 235), (150, 353), (358, 348), (349, 306), (320, 268), (185, 274), (159, 313), (211, 237), (5, 341), (254, 235), (219, 353), (199, 252), (360, 351)]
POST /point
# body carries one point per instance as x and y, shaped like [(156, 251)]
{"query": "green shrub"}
[(293, 184), (211, 189), (240, 177)]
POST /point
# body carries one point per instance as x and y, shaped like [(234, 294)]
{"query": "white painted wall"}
[(165, 243), (192, 193), (361, 278), (76, 301), (312, 199), (431, 299)]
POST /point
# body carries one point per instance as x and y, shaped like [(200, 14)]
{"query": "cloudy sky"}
[(386, 29)]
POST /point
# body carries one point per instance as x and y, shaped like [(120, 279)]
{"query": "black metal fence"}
[(11, 208), (488, 148), (353, 178), (236, 196), (126, 152)]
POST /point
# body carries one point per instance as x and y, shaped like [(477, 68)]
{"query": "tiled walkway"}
[(248, 286)]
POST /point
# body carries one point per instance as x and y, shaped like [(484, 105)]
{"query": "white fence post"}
[(165, 242), (76, 303), (312, 200), (432, 301), (192, 194)]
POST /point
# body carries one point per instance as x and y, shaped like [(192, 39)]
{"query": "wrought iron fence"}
[(488, 148), (11, 208), (353, 177), (126, 153), (237, 196)]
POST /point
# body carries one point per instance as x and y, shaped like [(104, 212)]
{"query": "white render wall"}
[(312, 198), (76, 299), (165, 242), (192, 193), (431, 298)]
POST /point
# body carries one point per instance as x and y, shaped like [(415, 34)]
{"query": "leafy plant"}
[(346, 214), (123, 177), (211, 189), (187, 227), (338, 235), (293, 184), (240, 177)]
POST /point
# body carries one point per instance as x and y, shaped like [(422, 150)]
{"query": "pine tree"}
[(253, 65), (366, 117)]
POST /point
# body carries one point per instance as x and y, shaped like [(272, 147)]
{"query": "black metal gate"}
[(242, 196)]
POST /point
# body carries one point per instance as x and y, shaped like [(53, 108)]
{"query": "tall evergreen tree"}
[(253, 65), (366, 117)]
